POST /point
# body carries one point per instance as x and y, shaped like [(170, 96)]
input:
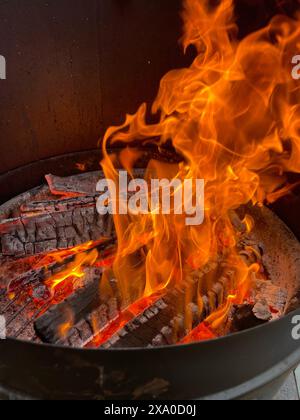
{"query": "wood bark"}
[(52, 230)]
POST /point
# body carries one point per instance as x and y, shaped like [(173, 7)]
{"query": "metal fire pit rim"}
[(258, 382)]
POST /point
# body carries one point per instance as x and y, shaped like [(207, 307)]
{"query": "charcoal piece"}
[(143, 329), (42, 272)]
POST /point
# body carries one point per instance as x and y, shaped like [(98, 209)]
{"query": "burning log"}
[(31, 294), (17, 282), (55, 325), (214, 298), (176, 330), (82, 334), (163, 323), (142, 329), (44, 267), (262, 311)]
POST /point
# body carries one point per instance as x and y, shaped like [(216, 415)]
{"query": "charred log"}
[(55, 325)]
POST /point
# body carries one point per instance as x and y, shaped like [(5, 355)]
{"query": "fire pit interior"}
[(72, 276)]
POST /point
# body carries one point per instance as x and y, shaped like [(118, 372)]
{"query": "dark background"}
[(75, 67)]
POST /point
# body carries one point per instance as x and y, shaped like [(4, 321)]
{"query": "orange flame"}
[(233, 116), (66, 326)]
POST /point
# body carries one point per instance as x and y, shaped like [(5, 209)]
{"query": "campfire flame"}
[(233, 116)]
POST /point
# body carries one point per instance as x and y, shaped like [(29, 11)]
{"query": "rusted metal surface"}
[(74, 70)]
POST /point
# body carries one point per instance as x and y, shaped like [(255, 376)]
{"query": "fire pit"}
[(125, 373), (106, 297)]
